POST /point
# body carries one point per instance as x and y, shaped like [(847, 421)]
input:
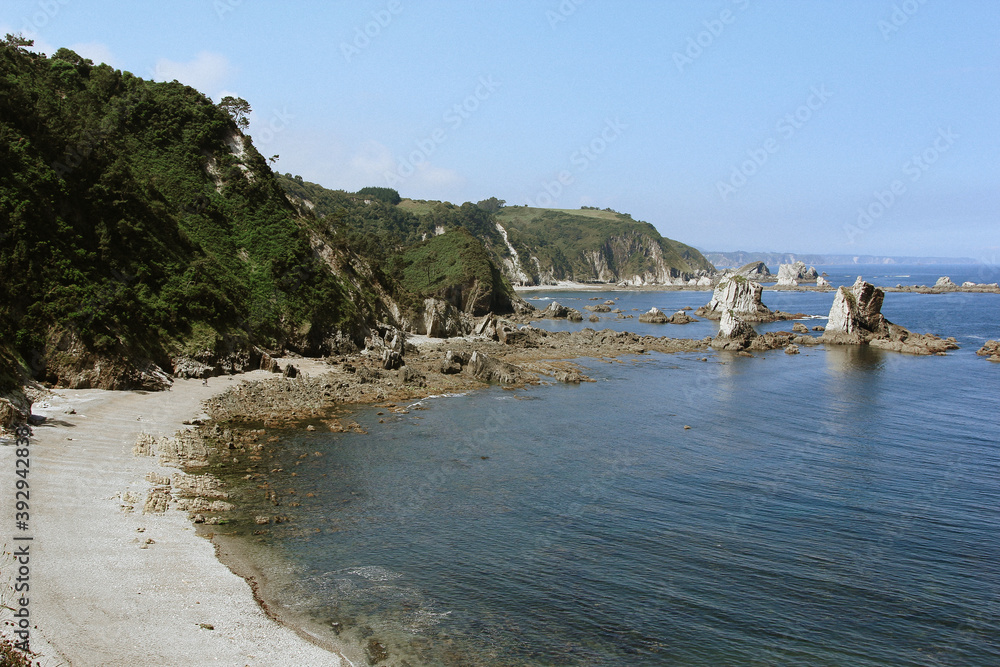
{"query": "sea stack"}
[(739, 295), (856, 319)]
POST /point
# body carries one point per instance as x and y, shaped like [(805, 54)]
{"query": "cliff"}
[(546, 246)]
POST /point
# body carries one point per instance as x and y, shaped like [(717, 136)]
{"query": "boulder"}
[(793, 274), (742, 297), (798, 327), (556, 311), (14, 408), (600, 308), (822, 282), (488, 369), (792, 349), (681, 317), (654, 316)]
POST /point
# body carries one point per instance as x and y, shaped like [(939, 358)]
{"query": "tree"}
[(238, 109), (17, 41), (491, 205)]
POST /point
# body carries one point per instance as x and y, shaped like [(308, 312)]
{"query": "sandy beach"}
[(113, 586)]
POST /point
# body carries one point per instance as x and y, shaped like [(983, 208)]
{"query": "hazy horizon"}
[(854, 128)]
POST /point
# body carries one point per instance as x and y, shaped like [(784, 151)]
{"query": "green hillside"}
[(562, 239), (136, 225)]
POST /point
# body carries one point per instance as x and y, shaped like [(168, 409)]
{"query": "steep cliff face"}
[(548, 246)]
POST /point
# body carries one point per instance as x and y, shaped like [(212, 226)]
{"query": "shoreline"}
[(87, 473), (105, 573)]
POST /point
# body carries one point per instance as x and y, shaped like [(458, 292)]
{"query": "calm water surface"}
[(838, 507)]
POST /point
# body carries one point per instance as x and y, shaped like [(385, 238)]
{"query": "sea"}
[(836, 507)]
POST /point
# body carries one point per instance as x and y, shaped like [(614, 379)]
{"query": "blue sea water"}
[(837, 507)]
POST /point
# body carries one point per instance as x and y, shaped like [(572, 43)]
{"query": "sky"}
[(824, 126)]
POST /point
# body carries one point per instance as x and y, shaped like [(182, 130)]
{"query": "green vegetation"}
[(456, 267), (561, 238), (133, 214)]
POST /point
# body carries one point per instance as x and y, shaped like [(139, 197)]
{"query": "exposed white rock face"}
[(730, 326), (944, 281), (857, 312), (793, 274), (741, 296), (822, 282), (512, 264)]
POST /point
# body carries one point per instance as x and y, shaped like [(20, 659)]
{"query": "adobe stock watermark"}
[(47, 10), (786, 127), (696, 45), (223, 7), (900, 16), (581, 159), (453, 118), (913, 170), (562, 13), (363, 35), (275, 125)]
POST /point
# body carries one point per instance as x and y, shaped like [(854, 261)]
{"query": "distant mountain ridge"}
[(739, 258)]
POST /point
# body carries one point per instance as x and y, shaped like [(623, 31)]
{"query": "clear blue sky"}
[(728, 124)]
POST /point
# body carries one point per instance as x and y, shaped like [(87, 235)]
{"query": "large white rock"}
[(793, 274), (857, 312), (741, 296)]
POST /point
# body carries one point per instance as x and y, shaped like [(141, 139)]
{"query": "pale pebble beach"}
[(113, 586)]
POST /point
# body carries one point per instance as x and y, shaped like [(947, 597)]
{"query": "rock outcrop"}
[(856, 319), (734, 333), (488, 369), (440, 319), (556, 311), (14, 409), (742, 297), (944, 282), (991, 349), (755, 271), (793, 274), (654, 316)]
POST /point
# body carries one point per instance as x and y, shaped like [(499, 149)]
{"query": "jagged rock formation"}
[(944, 282), (734, 333), (793, 274), (856, 319), (742, 297), (991, 349), (441, 320), (556, 311), (488, 369), (755, 271), (822, 282)]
